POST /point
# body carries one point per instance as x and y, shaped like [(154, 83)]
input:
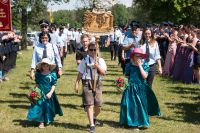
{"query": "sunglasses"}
[(43, 26), (92, 49)]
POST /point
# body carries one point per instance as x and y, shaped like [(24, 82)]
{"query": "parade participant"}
[(15, 46), (114, 42), (2, 57), (130, 42), (150, 47), (47, 106), (55, 38), (138, 100), (45, 50), (92, 97), (62, 47), (78, 35), (121, 51), (169, 61), (72, 42), (44, 27), (196, 66), (83, 51), (7, 57), (195, 45)]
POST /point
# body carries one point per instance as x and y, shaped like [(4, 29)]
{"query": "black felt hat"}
[(44, 22)]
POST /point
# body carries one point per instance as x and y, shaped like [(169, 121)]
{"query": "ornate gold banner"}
[(98, 23)]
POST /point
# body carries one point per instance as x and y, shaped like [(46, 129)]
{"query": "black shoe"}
[(92, 129)]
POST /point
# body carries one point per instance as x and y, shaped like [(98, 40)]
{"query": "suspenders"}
[(90, 83)]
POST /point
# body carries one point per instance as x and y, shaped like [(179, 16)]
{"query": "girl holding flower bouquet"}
[(44, 109), (138, 100)]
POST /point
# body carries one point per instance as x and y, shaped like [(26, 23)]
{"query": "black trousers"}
[(113, 50), (72, 46), (13, 58), (124, 63), (151, 75)]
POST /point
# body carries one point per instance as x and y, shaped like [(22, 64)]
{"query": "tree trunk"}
[(24, 29)]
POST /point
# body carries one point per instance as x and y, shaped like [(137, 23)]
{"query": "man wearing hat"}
[(44, 27), (131, 41)]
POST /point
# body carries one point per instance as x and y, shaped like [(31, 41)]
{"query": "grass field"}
[(179, 103)]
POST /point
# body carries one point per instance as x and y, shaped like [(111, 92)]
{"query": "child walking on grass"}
[(45, 109), (138, 100)]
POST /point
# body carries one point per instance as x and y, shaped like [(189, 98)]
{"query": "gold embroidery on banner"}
[(98, 21)]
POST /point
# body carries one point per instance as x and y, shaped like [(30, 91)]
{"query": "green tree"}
[(37, 6), (179, 11), (120, 14)]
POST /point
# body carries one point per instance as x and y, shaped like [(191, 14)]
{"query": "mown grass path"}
[(179, 103)]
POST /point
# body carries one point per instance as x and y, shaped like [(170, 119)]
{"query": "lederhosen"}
[(89, 96)]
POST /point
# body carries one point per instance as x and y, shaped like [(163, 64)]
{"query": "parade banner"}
[(5, 16), (98, 23)]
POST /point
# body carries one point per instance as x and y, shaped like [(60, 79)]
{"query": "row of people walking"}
[(9, 45), (175, 46), (91, 68)]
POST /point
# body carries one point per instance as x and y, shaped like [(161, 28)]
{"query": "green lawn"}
[(179, 103)]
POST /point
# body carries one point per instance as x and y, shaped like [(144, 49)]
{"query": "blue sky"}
[(73, 4)]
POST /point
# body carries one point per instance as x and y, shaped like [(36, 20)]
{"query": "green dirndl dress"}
[(45, 109), (138, 100)]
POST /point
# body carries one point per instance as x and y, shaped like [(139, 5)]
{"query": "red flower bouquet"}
[(34, 95), (121, 84)]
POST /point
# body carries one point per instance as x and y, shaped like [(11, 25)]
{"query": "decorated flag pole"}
[(97, 38), (98, 22)]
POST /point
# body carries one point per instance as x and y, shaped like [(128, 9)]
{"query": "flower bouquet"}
[(35, 95), (121, 84)]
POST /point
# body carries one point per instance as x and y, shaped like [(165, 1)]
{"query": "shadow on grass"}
[(112, 104), (25, 123), (69, 95), (68, 74), (110, 123), (28, 83), (112, 66), (19, 106), (194, 98), (18, 95), (75, 71), (25, 87), (114, 74), (114, 70), (109, 80), (72, 106), (13, 101), (190, 112), (110, 110), (185, 90), (111, 93), (69, 126)]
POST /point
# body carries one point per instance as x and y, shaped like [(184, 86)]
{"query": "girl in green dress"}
[(48, 106), (138, 100)]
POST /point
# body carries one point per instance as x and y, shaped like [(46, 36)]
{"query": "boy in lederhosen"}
[(92, 97)]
